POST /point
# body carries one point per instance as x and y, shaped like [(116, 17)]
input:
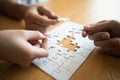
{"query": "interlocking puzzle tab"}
[(67, 51)]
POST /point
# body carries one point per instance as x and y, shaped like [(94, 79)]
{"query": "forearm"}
[(13, 9)]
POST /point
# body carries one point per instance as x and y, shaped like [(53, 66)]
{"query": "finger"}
[(34, 35), (40, 20), (98, 27), (44, 44), (99, 36), (114, 42), (39, 52), (41, 49), (103, 21), (32, 25), (35, 18), (84, 33), (45, 11), (40, 28), (87, 28), (112, 51)]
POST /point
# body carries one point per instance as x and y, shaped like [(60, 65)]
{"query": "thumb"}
[(34, 35), (39, 52)]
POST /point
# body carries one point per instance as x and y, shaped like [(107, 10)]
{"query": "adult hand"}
[(21, 46), (39, 18), (106, 34)]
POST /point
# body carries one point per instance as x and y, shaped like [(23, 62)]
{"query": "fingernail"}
[(45, 34)]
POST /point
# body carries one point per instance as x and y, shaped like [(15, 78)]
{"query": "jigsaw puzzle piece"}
[(61, 74)]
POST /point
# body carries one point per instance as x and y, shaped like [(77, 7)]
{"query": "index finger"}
[(101, 26), (85, 31), (41, 20), (44, 44), (95, 28), (45, 11)]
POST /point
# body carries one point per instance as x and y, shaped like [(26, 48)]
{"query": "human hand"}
[(21, 46), (106, 34), (39, 18)]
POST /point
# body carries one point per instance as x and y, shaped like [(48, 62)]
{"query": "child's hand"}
[(22, 46)]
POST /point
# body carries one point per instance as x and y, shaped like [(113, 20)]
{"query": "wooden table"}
[(97, 66)]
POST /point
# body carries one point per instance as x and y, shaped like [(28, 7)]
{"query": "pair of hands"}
[(106, 35), (22, 46)]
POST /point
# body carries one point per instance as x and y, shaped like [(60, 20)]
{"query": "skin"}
[(22, 46), (40, 18), (106, 35), (37, 17)]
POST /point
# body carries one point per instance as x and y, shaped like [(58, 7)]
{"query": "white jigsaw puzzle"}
[(67, 51)]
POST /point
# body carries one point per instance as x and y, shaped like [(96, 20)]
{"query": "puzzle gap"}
[(67, 51), (66, 43)]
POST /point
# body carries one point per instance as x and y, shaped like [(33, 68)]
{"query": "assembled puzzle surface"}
[(67, 51)]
